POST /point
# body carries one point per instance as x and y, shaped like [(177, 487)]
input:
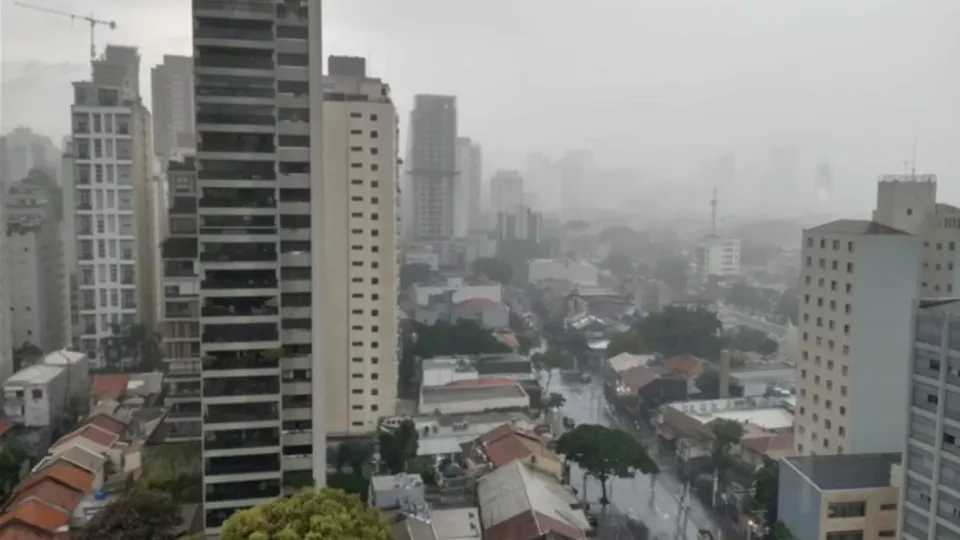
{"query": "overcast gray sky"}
[(658, 84)]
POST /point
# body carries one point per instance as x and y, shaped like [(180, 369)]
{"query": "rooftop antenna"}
[(713, 213)]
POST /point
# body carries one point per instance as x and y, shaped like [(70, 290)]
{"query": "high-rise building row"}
[(296, 192), (111, 207), (173, 106)]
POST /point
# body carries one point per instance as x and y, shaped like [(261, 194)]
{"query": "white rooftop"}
[(63, 357), (625, 361), (35, 374), (456, 523), (770, 413)]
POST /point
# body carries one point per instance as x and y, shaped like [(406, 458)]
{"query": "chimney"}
[(724, 374)]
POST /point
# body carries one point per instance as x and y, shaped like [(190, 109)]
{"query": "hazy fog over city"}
[(679, 96)]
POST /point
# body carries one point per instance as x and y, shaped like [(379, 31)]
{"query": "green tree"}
[(750, 339), (673, 331), (494, 269), (141, 515), (606, 453), (781, 532), (554, 401), (398, 446), (415, 274), (12, 457), (424, 467), (673, 270), (726, 434), (550, 360), (619, 265), (788, 307), (766, 491), (308, 515)]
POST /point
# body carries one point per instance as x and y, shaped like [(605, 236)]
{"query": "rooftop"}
[(506, 443), (769, 413), (35, 514), (109, 385), (625, 361), (450, 394), (846, 471), (35, 374), (859, 227)]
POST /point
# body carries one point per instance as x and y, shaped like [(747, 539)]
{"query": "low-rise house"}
[(441, 437), (459, 398), (459, 291), (36, 396), (517, 502), (507, 443)]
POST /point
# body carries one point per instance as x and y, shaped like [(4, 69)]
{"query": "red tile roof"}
[(684, 365), (5, 426), (530, 525), (63, 472), (112, 385), (108, 423), (50, 491), (637, 377), (506, 443), (477, 304), (36, 515), (483, 381), (92, 433)]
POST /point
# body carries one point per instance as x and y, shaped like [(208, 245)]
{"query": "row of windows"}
[(835, 244), (952, 246), (821, 282), (805, 337), (834, 265)]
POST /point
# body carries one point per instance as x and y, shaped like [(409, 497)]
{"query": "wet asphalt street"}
[(661, 513)]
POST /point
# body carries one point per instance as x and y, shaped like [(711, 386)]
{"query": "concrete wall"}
[(799, 503)]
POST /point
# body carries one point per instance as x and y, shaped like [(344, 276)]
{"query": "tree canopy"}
[(606, 453), (398, 446), (766, 488), (726, 434), (141, 515), (311, 514), (751, 339), (675, 330), (788, 307), (418, 340), (673, 270), (494, 269), (415, 274)]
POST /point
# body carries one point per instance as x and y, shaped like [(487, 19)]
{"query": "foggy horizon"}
[(663, 90)]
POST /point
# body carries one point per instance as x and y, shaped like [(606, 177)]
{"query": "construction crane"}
[(90, 19)]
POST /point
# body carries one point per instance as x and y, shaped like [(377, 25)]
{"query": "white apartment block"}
[(910, 203), (174, 113), (112, 218), (857, 292), (718, 257), (360, 248), (34, 260)]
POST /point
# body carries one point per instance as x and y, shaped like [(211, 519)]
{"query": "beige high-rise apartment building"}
[(857, 289), (360, 246)]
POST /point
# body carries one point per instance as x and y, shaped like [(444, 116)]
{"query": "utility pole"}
[(90, 19)]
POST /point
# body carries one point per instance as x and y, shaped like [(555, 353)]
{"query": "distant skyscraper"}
[(469, 183), (173, 106), (575, 168), (119, 67), (433, 169), (506, 191), (22, 150)]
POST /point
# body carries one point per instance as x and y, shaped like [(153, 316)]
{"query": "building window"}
[(846, 509)]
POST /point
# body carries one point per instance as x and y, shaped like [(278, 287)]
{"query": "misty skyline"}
[(660, 87)]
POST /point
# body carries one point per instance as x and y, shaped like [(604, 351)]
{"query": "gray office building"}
[(433, 168), (930, 497)]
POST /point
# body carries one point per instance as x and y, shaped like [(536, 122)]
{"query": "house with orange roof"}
[(506, 443), (33, 520)]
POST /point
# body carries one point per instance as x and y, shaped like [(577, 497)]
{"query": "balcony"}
[(233, 30), (232, 360), (215, 169), (240, 333), (258, 7), (239, 491), (241, 412), (239, 225), (180, 248), (242, 438), (238, 198), (183, 389), (183, 430), (239, 279), (242, 143), (185, 410), (184, 206), (254, 306), (246, 252), (180, 310), (292, 13), (241, 386), (232, 57), (242, 464)]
